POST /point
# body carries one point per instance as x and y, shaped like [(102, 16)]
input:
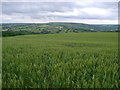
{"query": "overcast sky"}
[(80, 11)]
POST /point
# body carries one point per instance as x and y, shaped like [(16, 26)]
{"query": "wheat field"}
[(72, 60)]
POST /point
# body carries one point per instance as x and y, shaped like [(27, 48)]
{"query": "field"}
[(72, 60)]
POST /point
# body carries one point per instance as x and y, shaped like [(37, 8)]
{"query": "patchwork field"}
[(72, 60)]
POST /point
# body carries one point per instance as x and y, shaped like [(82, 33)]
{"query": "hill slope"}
[(54, 27)]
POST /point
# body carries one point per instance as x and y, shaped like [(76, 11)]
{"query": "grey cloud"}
[(43, 10), (32, 7)]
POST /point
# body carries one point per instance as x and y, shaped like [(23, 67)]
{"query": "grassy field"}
[(73, 60)]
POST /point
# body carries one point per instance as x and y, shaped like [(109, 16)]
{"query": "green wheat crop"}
[(73, 60)]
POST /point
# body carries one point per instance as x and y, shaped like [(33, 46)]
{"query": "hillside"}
[(54, 27)]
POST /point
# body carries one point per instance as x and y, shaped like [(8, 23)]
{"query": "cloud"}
[(60, 1), (87, 11)]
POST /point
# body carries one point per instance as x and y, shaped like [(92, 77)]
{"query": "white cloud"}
[(98, 13)]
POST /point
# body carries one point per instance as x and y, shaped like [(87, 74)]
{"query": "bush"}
[(8, 33)]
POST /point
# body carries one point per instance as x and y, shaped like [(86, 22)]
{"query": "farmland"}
[(13, 29), (67, 60)]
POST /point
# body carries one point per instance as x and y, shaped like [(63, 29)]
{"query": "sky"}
[(44, 11)]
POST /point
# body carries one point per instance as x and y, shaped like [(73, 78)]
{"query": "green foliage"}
[(8, 33), (15, 33), (45, 32), (72, 60), (58, 31)]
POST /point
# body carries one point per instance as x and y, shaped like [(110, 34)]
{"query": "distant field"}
[(72, 60)]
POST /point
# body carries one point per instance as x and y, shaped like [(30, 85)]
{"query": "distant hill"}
[(87, 27), (56, 27)]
